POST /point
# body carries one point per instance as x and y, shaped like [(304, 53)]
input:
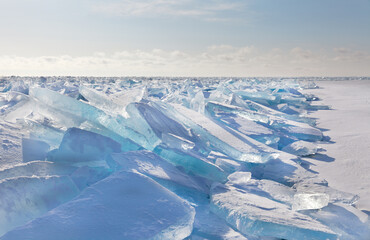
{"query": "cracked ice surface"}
[(123, 158)]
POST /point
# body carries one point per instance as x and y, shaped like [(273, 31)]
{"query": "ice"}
[(162, 172), (43, 132), (128, 96), (192, 163), (347, 221), (147, 154), (198, 102), (137, 120), (256, 215), (86, 112), (83, 146), (304, 201), (247, 104), (161, 123), (284, 169), (15, 106), (335, 196), (86, 176), (207, 225), (228, 165), (261, 97), (266, 188), (218, 138), (300, 130), (173, 141), (25, 198), (301, 148), (243, 122), (215, 107), (100, 101), (34, 149), (125, 205)]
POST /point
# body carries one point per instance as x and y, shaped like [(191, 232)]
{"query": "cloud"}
[(209, 9), (218, 60)]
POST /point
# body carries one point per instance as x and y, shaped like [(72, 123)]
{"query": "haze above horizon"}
[(185, 38)]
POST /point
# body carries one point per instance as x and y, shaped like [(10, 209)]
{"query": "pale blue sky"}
[(185, 37)]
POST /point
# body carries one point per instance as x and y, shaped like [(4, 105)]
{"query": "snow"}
[(171, 158), (345, 164)]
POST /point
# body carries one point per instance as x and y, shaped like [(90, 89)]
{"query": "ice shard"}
[(304, 201)]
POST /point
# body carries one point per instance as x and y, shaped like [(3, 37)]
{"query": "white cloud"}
[(221, 60), (149, 8)]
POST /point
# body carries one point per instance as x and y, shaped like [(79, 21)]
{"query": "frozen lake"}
[(203, 158)]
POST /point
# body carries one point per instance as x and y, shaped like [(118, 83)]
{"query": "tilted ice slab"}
[(126, 205), (83, 147), (252, 214), (129, 111), (192, 163), (89, 113), (162, 172), (100, 101), (217, 137), (25, 198)]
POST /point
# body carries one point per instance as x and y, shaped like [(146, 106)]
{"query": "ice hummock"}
[(225, 150), (304, 201)]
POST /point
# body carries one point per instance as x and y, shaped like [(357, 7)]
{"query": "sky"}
[(235, 38)]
